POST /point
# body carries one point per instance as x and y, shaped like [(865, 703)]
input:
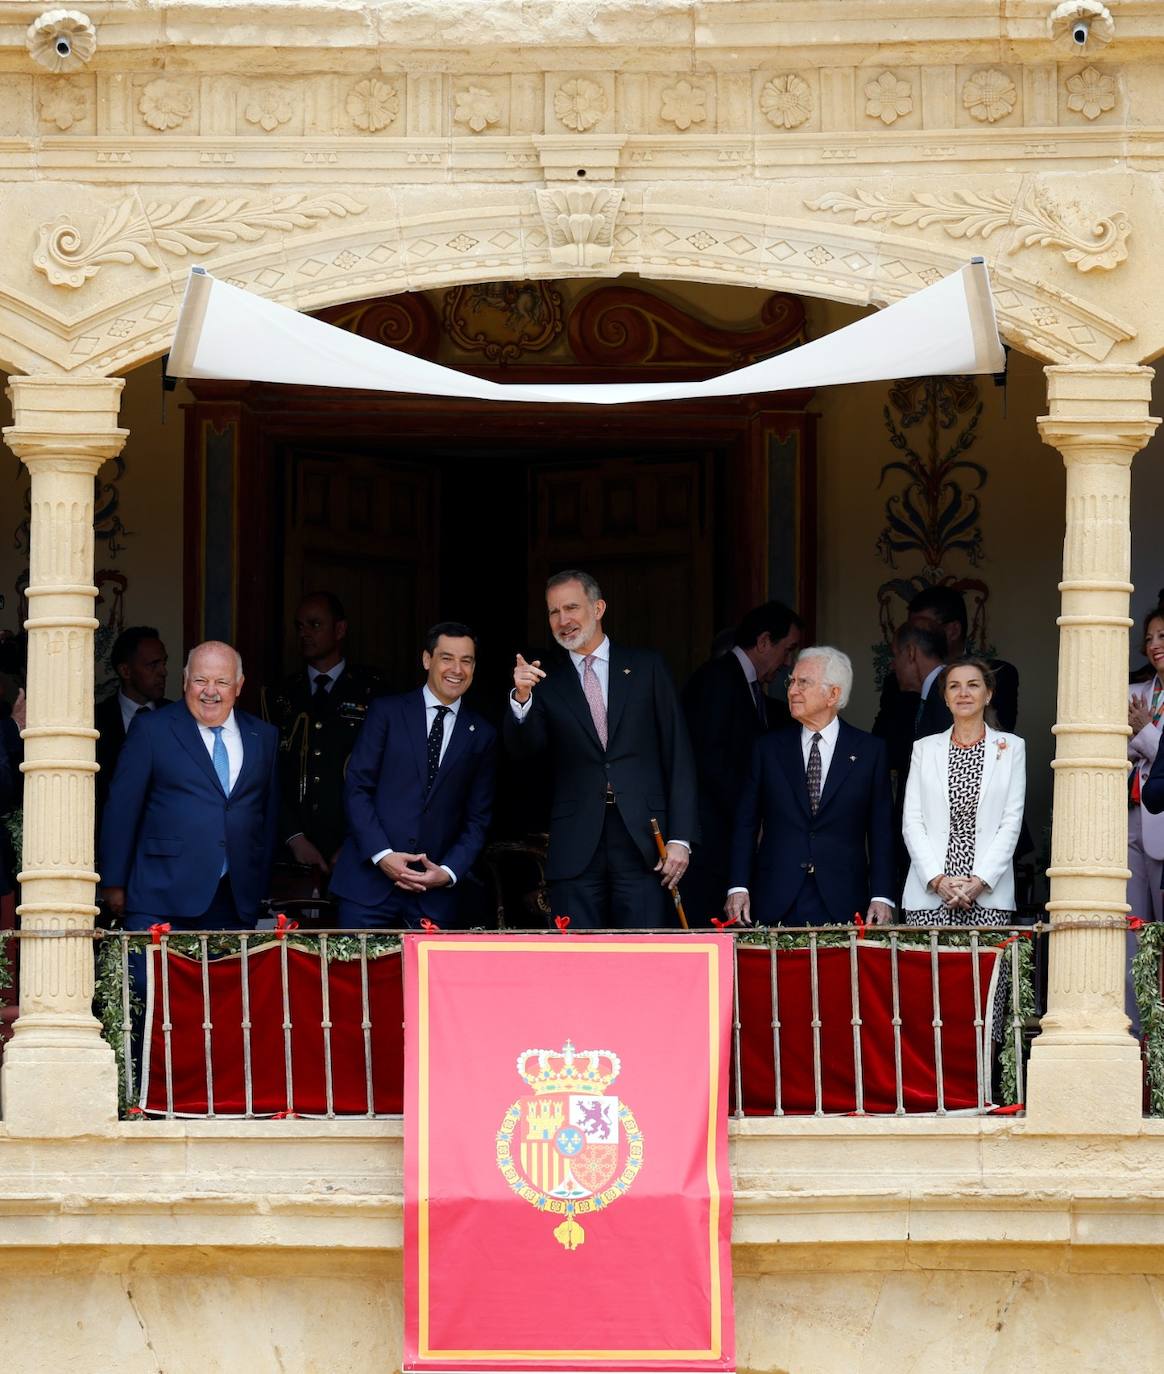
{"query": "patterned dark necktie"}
[(435, 738), (812, 775)]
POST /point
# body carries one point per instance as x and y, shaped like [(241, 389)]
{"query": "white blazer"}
[(1000, 814), (1142, 748)]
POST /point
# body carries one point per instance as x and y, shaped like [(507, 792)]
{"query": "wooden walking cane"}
[(662, 848)]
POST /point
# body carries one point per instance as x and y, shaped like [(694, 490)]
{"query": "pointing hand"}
[(526, 677)]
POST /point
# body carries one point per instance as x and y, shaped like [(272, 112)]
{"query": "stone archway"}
[(118, 280)]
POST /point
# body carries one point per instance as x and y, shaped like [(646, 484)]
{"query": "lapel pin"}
[(626, 672), (472, 728), (852, 758)]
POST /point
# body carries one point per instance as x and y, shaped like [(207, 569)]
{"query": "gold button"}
[(319, 725), (317, 753)]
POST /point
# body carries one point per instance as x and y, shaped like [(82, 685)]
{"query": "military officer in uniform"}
[(318, 711)]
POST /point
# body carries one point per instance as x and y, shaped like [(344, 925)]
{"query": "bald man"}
[(190, 827)]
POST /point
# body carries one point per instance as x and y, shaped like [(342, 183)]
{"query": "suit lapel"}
[(846, 753), (617, 690), (458, 743), (186, 728), (575, 699), (788, 751), (990, 757), (416, 720), (250, 748)]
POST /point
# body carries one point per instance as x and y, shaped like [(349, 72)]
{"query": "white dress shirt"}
[(332, 675), (232, 738), (130, 708), (746, 664), (931, 677), (826, 748), (431, 702)]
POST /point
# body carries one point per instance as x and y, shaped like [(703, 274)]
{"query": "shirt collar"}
[(929, 682), (602, 653), (431, 700), (133, 707), (746, 664), (828, 735), (229, 725), (332, 673)]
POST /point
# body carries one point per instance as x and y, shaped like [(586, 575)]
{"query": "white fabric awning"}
[(232, 335)]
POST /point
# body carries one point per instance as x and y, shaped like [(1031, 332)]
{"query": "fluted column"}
[(1085, 1067), (58, 1076)]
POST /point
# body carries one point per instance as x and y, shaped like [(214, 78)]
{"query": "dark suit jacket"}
[(387, 808), (111, 738), (647, 760), (724, 726), (849, 841), (168, 824), (1152, 794)]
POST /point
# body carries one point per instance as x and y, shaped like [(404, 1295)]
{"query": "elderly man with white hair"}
[(813, 838), (189, 831)]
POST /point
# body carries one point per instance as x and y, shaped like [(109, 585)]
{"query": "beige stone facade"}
[(850, 151)]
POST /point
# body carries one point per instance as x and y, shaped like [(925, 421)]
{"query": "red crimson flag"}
[(567, 1193)]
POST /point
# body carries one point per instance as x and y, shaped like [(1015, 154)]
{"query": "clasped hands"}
[(958, 893), (1138, 716), (411, 879)]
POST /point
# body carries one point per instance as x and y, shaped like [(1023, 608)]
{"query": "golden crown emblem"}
[(569, 1070)]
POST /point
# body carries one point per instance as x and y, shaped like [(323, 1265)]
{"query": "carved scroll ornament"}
[(978, 214), (68, 256)]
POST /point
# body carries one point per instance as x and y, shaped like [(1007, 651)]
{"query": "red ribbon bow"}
[(285, 1116), (721, 924), (427, 925), (158, 929), (1018, 935), (562, 922), (135, 1111), (283, 925), (1136, 923), (859, 922)]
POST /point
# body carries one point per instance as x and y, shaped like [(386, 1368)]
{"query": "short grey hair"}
[(214, 644), (589, 584), (836, 669)]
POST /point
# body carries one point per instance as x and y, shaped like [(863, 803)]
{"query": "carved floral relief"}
[(888, 98), (989, 95), (786, 101), (477, 109), (63, 103), (166, 104), (372, 105), (269, 107), (1091, 93), (684, 105), (580, 103)]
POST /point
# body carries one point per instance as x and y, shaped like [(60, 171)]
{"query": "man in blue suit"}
[(419, 795), (818, 798), (190, 827)]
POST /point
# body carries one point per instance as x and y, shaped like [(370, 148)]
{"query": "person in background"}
[(1146, 830), (139, 660), (318, 712), (728, 710)]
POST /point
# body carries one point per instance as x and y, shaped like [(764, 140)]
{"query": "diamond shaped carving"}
[(462, 243), (269, 278), (855, 262), (312, 268), (701, 240), (781, 251)]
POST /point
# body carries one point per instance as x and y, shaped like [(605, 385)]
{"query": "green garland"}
[(1146, 984)]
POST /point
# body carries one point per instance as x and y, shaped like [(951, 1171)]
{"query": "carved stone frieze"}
[(1032, 214), (269, 106), (579, 222), (68, 256), (477, 109), (61, 40)]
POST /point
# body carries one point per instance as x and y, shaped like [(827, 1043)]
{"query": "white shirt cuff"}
[(452, 875), (683, 843), (883, 900), (377, 857), (736, 889), (520, 708)]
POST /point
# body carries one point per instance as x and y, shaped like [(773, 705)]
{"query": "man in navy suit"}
[(418, 794), (189, 829), (818, 797), (610, 718)]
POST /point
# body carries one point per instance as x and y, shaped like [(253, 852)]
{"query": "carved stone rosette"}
[(58, 1073)]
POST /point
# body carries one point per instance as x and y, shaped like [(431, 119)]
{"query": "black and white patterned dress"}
[(965, 785)]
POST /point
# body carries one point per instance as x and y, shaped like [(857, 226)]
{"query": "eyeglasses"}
[(804, 683)]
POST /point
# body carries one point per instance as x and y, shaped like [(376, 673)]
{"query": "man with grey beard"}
[(190, 827)]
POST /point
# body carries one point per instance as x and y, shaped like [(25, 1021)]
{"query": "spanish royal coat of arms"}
[(569, 1148)]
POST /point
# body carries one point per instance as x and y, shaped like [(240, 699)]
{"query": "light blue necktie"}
[(221, 762)]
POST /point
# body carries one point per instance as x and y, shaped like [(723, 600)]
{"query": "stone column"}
[(1085, 1067), (59, 1076)]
